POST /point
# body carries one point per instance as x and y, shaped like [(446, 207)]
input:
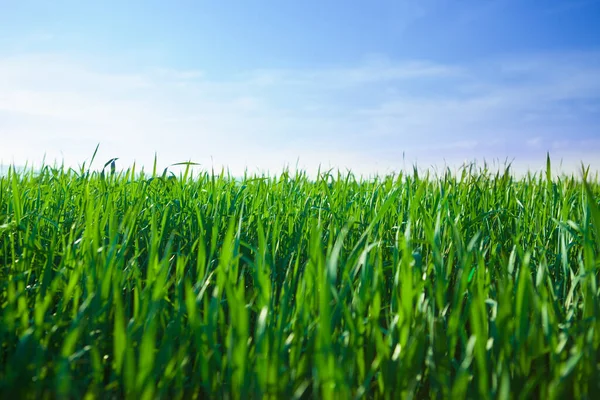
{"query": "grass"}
[(466, 285)]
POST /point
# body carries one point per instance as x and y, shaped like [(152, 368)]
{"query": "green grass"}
[(467, 285)]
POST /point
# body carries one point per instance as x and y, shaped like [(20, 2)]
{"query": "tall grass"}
[(467, 285)]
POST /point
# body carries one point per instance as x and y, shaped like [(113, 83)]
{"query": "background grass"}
[(468, 285)]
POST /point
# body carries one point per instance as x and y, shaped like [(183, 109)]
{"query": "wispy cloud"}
[(363, 117)]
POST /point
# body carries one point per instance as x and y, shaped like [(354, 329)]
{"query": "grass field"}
[(467, 285)]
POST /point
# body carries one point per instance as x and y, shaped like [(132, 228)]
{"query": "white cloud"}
[(362, 117)]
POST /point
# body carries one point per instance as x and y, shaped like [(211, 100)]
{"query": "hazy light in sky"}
[(371, 87)]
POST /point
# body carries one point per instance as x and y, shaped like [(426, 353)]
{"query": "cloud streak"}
[(363, 117)]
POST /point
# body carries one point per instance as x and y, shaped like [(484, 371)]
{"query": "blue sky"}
[(371, 86)]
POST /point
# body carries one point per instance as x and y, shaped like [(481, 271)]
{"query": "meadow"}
[(130, 284)]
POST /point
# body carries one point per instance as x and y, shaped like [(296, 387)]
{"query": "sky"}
[(258, 86)]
